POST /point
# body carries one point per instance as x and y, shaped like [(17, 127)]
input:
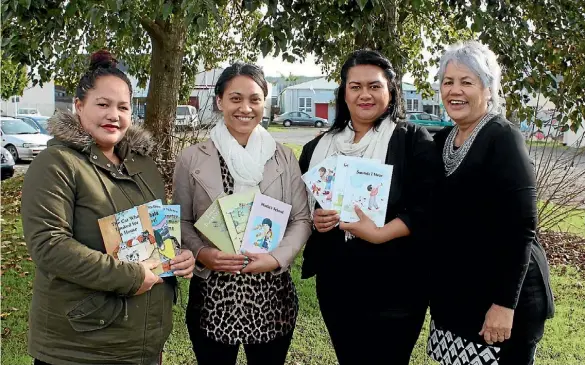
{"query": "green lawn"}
[(574, 222), (563, 342)]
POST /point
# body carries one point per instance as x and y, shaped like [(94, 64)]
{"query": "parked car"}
[(431, 122), (186, 118), (7, 164), (36, 121), (28, 111), (300, 118), (21, 140)]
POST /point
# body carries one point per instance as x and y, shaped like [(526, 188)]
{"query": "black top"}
[(397, 264), (486, 237)]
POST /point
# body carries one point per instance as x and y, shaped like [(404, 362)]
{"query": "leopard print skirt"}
[(245, 308), (248, 308)]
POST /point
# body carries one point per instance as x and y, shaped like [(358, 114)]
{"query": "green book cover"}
[(212, 225), (236, 210)]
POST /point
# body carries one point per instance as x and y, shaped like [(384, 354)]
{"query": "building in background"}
[(315, 97), (41, 99)]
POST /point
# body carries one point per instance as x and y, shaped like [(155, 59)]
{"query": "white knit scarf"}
[(374, 145), (246, 165)]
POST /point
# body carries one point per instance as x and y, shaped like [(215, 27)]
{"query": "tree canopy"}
[(539, 42)]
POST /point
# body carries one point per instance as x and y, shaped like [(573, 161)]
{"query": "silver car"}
[(300, 118), (22, 140)]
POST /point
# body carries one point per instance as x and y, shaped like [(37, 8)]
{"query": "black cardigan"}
[(400, 263), (486, 239)]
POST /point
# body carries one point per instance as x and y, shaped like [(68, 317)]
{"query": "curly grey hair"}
[(481, 61)]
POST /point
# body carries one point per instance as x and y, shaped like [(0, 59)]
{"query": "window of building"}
[(306, 105), (412, 105)]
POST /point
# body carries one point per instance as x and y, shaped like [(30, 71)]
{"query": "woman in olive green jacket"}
[(87, 307)]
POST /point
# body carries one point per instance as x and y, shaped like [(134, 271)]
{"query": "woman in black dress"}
[(371, 281), (490, 276)]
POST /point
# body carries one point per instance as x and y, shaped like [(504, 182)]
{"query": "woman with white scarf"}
[(235, 299), (370, 280)]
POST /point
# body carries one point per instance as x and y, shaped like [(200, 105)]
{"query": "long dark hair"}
[(364, 57), (241, 69), (102, 64)]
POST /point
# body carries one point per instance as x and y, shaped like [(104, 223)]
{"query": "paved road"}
[(295, 135)]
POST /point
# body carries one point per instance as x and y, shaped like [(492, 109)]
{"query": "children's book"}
[(367, 185), (173, 213), (212, 225), (162, 235), (320, 181), (343, 163), (140, 234), (266, 224), (128, 236), (236, 210)]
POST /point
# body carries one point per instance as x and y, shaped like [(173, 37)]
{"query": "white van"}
[(186, 117)]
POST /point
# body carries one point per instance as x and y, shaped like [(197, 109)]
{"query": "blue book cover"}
[(266, 224), (367, 185), (162, 235), (320, 181), (341, 170)]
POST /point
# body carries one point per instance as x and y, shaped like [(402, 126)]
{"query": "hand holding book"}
[(325, 220), (260, 262), (364, 228), (217, 260), (150, 278)]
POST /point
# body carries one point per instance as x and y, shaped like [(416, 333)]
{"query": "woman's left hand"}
[(260, 262), (184, 264), (365, 228), (497, 326)]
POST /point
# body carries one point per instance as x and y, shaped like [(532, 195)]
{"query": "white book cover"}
[(343, 163), (266, 224), (367, 185), (320, 181)]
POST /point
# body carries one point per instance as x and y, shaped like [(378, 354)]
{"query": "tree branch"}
[(153, 29)]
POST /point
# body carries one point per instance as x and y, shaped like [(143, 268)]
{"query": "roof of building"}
[(317, 84)]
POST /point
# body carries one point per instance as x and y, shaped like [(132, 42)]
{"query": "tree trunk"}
[(163, 90)]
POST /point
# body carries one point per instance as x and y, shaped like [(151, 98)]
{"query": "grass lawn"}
[(273, 127), (573, 223), (563, 342)]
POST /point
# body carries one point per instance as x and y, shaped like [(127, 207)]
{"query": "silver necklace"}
[(452, 157)]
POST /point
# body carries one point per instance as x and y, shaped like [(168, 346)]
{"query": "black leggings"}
[(363, 335), (210, 352)]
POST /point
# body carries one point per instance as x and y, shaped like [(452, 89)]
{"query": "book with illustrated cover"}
[(343, 163), (128, 236), (367, 184), (140, 234), (212, 225), (236, 210), (266, 224), (173, 214), (162, 236), (320, 181)]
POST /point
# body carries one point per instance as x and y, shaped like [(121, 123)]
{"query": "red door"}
[(322, 110)]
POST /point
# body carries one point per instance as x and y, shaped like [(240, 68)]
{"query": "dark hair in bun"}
[(102, 63), (102, 58)]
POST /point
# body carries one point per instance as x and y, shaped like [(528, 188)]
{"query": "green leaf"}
[(47, 51), (70, 9), (362, 4), (167, 10), (202, 23), (266, 47), (25, 3)]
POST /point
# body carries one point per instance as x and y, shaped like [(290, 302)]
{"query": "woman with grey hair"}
[(491, 292)]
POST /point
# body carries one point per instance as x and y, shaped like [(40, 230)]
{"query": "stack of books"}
[(148, 232), (245, 222), (342, 182)]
